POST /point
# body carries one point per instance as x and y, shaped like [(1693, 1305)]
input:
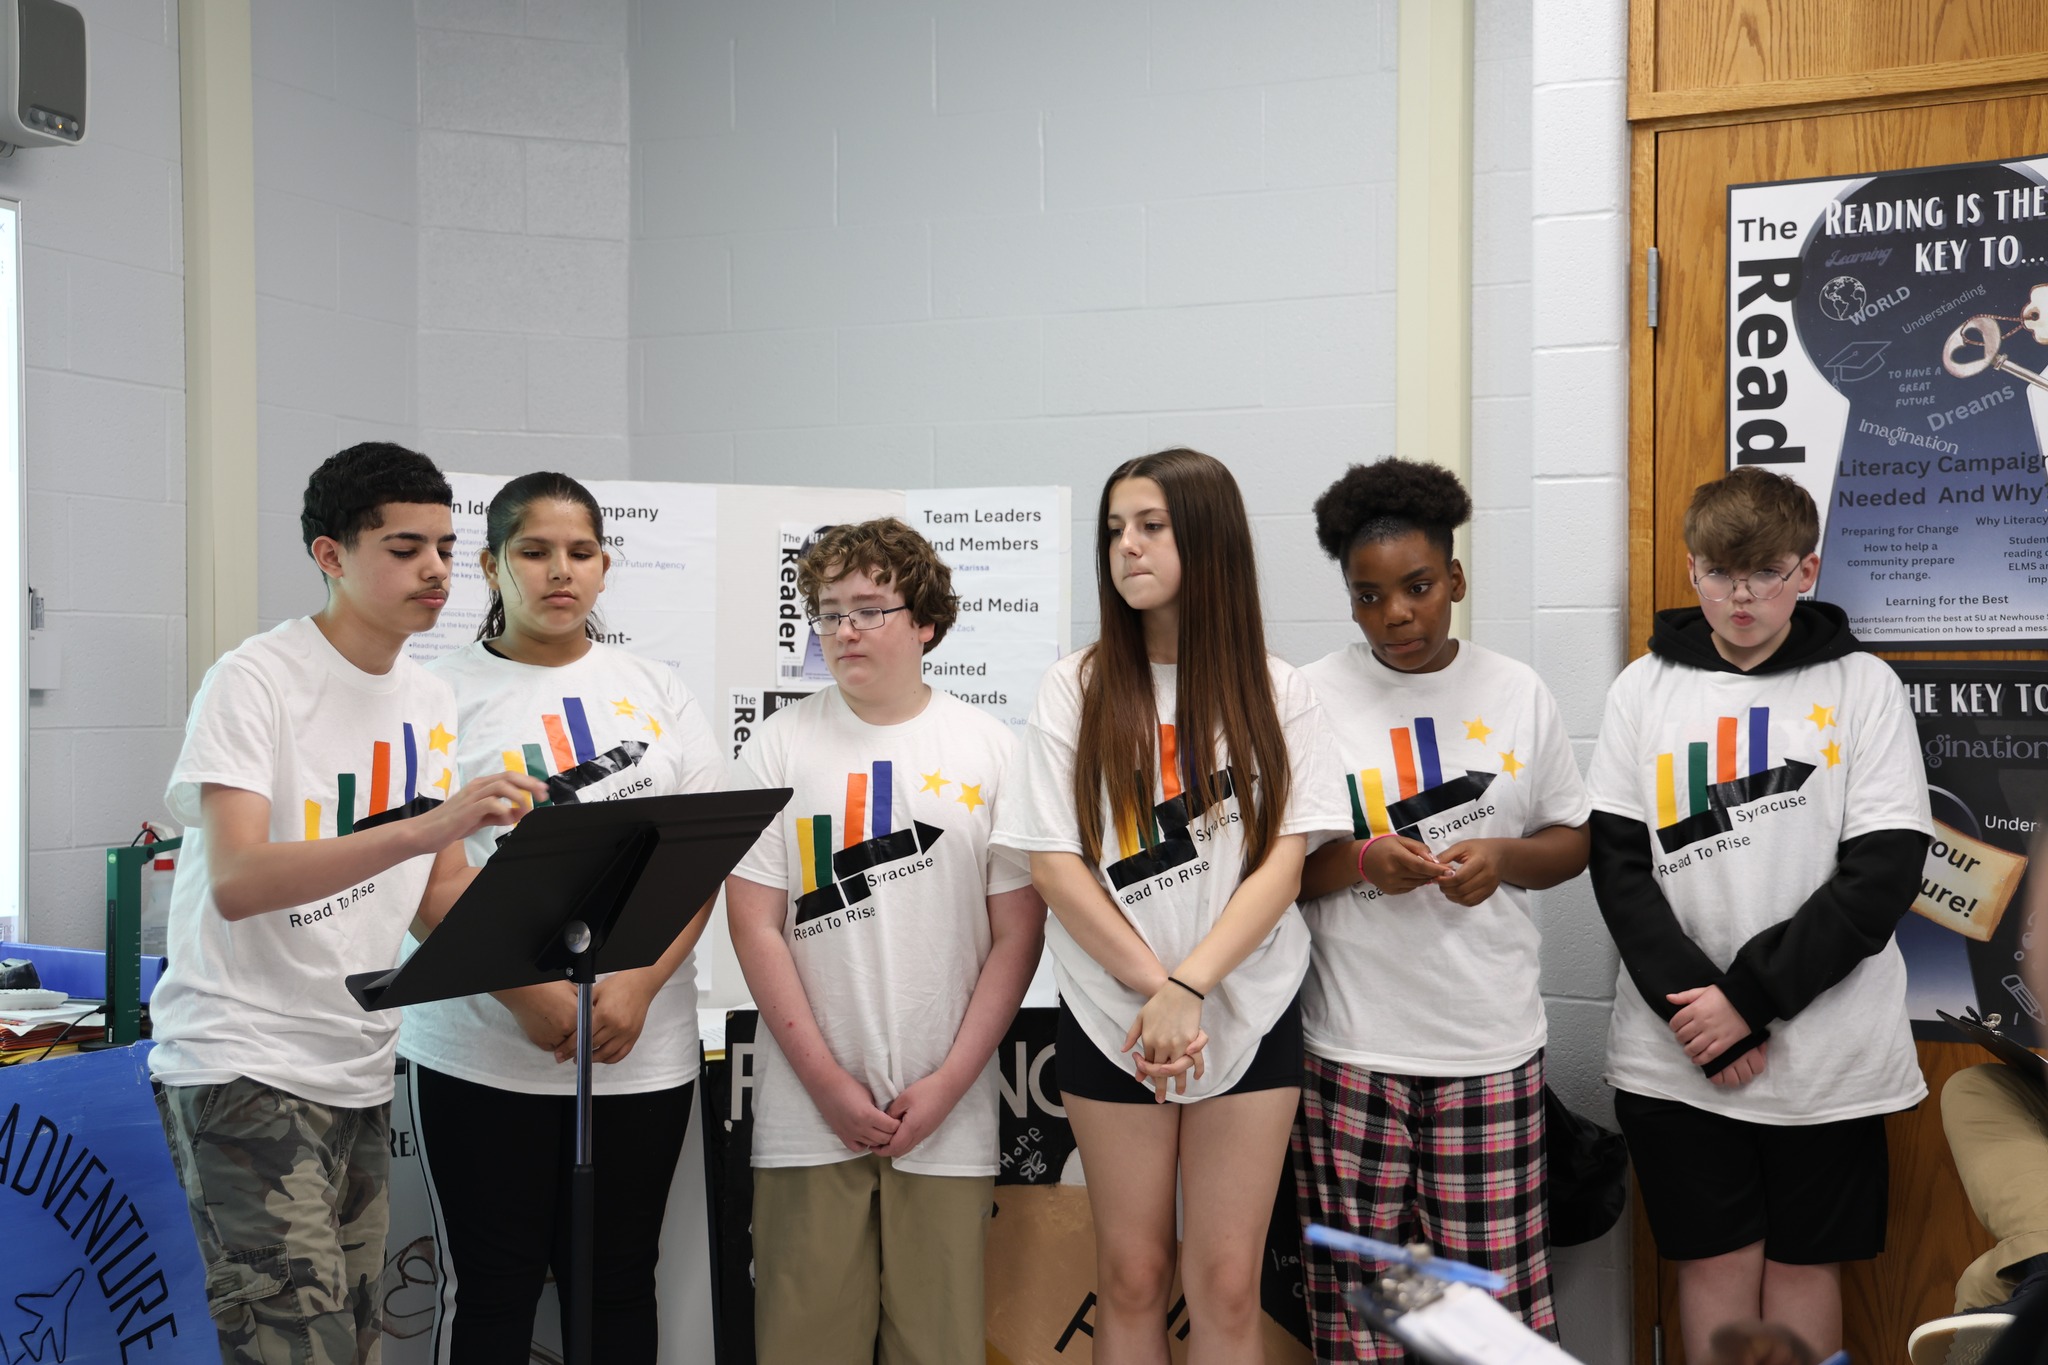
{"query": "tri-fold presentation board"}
[(704, 578)]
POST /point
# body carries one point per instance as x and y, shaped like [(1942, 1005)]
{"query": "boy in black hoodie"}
[(1759, 823)]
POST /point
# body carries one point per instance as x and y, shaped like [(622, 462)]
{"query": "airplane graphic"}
[(51, 1330)]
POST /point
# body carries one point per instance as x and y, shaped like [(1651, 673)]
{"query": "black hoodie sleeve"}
[(1660, 958), (1851, 916)]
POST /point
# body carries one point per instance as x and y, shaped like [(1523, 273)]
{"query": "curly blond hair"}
[(887, 551)]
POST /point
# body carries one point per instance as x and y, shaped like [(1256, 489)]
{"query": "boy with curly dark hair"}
[(888, 945), (316, 788), (1422, 1094)]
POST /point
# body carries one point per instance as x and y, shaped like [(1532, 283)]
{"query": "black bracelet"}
[(1186, 987)]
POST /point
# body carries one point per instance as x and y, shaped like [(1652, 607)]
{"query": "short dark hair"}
[(345, 492), (887, 551), (1749, 519), (1392, 497)]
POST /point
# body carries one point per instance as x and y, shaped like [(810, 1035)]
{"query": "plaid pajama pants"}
[(1454, 1161)]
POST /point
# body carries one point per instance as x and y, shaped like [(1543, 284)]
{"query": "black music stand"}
[(572, 891)]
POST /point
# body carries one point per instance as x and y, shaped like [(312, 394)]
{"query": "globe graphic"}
[(1842, 296)]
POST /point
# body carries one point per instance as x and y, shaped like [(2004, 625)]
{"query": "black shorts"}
[(1813, 1194), (1086, 1072)]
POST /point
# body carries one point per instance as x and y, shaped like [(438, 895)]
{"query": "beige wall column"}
[(1433, 245), (220, 329)]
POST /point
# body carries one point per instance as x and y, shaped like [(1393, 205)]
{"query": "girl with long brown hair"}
[(1173, 775)]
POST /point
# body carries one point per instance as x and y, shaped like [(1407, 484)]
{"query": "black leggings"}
[(499, 1161)]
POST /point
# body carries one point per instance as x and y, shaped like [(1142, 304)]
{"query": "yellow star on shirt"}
[(1509, 764), (1478, 729), (970, 795), (654, 725), (622, 707), (438, 739), (1832, 753), (1821, 716), (934, 782), (447, 776)]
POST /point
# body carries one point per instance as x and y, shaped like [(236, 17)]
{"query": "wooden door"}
[(1932, 1233)]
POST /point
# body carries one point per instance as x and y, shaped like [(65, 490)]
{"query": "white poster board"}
[(1888, 349), (704, 578)]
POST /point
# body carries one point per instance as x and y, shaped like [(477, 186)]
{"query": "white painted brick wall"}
[(336, 289), (103, 265), (1578, 561), (916, 244), (522, 189)]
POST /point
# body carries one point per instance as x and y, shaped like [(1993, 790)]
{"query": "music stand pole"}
[(574, 890), (576, 938)]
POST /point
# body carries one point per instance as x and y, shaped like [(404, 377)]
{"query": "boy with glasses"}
[(1759, 822), (888, 947)]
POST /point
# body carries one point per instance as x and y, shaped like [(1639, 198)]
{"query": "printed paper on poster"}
[(1888, 348)]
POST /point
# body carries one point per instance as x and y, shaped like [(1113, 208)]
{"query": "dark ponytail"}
[(507, 513)]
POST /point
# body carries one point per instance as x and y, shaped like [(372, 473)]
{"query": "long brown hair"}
[(1224, 686)]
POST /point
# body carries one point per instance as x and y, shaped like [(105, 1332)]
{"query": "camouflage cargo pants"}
[(291, 1202)]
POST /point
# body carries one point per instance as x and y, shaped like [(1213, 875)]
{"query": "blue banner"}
[(101, 1267)]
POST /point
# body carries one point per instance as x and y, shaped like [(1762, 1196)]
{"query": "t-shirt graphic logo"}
[(835, 879), (1709, 801), (1151, 845), (577, 764), (382, 810), (1424, 791)]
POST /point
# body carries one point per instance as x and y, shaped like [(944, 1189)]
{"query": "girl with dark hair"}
[(1174, 774), (539, 693), (1422, 1106)]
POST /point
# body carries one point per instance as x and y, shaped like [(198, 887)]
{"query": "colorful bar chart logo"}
[(1421, 789), (835, 874), (1718, 778), (568, 760), (1153, 842), (391, 797)]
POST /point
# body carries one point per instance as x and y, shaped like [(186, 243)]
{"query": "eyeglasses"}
[(863, 618), (1718, 585)]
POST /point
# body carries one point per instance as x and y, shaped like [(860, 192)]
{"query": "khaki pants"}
[(857, 1252), (291, 1202), (1997, 1126)]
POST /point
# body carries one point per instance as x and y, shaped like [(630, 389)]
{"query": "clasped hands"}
[(1467, 872), (1707, 1025), (618, 1011), (1166, 1040)]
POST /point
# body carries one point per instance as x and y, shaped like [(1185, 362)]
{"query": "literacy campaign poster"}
[(1887, 342), (1984, 739)]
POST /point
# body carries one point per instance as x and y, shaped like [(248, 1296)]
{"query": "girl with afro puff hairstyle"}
[(1422, 1088)]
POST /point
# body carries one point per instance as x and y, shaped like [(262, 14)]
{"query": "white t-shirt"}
[(1476, 750), (333, 749), (1748, 784), (609, 725), (1173, 892), (884, 852)]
